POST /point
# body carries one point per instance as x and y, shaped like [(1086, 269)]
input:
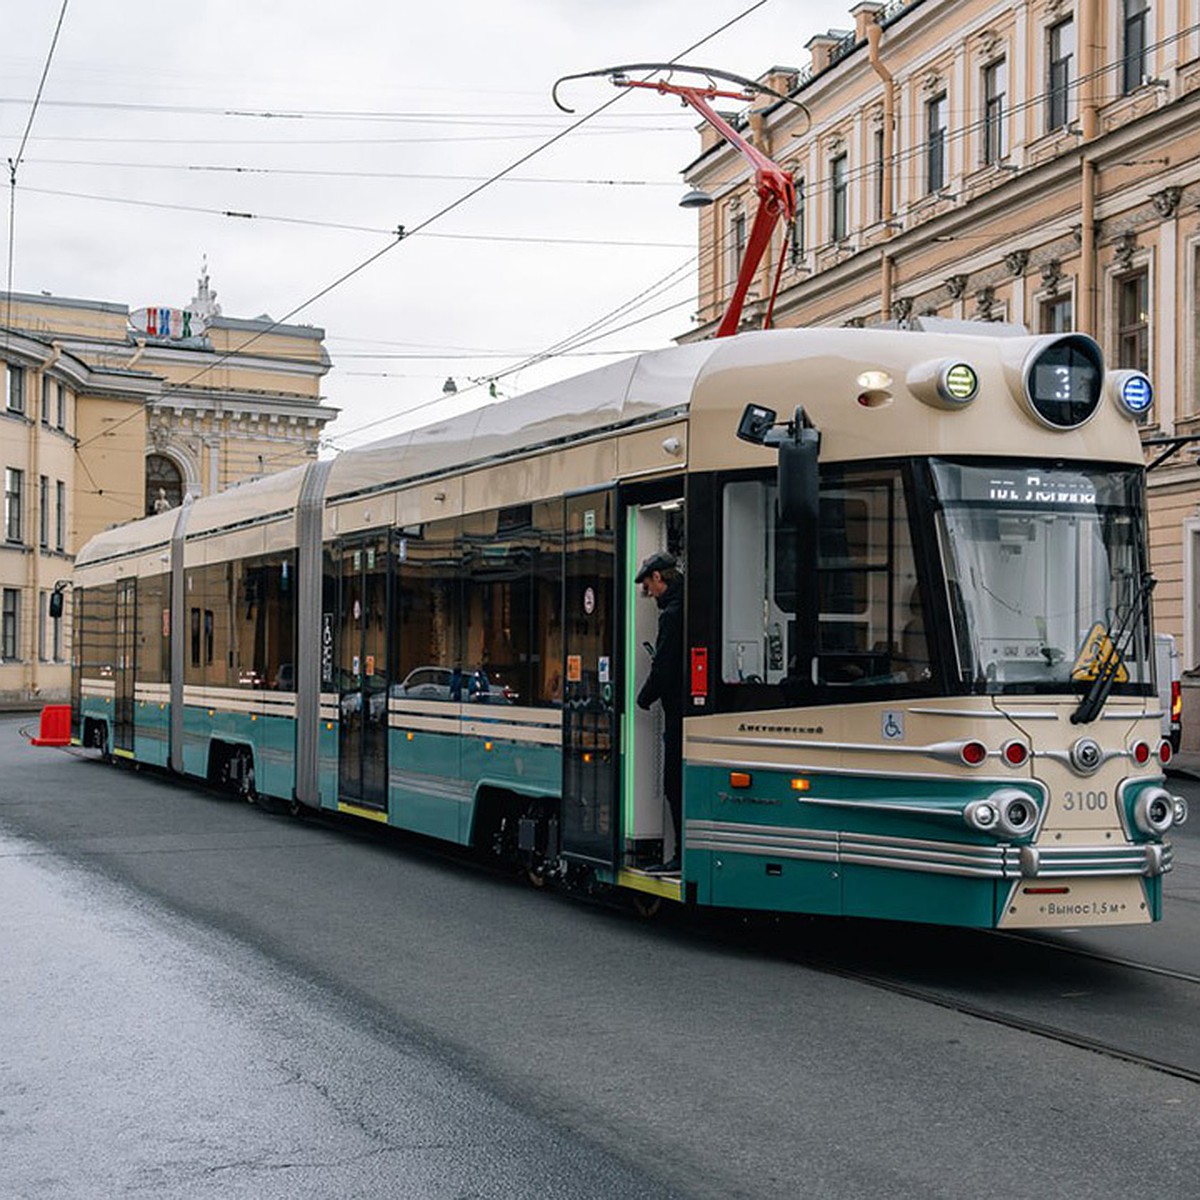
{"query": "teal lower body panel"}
[(327, 764), (924, 897), (1154, 896), (878, 847), (426, 793), (152, 733), (764, 881), (270, 740), (96, 708), (274, 742), (435, 780)]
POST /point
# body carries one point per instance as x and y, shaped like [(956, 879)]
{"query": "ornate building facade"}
[(111, 414), (1036, 162)]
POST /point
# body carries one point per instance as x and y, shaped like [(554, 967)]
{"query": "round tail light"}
[(1141, 753), (1016, 753), (1164, 752), (974, 754)]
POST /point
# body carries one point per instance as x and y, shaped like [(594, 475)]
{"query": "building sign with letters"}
[(172, 323)]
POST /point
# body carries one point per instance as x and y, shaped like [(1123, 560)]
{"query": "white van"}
[(1170, 697)]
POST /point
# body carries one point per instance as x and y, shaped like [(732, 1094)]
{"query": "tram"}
[(918, 674)]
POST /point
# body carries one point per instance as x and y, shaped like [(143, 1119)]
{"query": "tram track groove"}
[(1108, 959), (1007, 1020)]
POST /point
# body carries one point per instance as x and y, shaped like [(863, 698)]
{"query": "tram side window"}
[(264, 622), (426, 613), (497, 604), (871, 627), (206, 591), (154, 629), (512, 593), (96, 637)]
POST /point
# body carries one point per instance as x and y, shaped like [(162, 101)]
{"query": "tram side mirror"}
[(756, 423), (56, 604), (800, 481)]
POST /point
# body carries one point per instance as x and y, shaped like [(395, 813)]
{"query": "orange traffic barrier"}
[(55, 728)]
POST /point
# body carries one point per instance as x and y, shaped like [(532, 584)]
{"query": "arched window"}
[(162, 475)]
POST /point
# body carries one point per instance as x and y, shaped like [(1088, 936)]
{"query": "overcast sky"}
[(379, 115)]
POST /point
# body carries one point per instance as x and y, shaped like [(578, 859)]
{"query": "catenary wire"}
[(439, 214)]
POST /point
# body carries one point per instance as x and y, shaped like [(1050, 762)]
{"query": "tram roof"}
[(609, 398), (712, 381)]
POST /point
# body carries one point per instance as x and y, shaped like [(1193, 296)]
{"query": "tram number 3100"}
[(1085, 801)]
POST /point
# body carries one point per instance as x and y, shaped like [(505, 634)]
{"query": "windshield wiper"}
[(1108, 669)]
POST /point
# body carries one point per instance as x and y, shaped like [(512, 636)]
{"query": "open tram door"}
[(654, 524), (590, 730)]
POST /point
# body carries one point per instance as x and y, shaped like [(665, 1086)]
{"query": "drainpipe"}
[(1089, 122), (874, 34), (1085, 320)]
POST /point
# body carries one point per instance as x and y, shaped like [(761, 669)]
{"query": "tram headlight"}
[(1018, 812), (981, 815), (1007, 812), (1179, 810), (1154, 811)]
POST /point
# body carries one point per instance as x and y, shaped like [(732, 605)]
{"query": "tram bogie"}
[(918, 675)]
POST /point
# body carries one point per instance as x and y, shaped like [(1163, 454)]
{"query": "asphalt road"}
[(312, 1009)]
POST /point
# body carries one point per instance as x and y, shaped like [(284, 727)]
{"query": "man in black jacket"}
[(660, 579)]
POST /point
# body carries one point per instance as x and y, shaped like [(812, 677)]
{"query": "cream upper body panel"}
[(696, 394), (820, 369)]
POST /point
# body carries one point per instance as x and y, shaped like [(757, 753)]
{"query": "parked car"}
[(453, 684), (1170, 695)]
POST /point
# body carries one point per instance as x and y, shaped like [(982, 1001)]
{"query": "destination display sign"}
[(1032, 487)]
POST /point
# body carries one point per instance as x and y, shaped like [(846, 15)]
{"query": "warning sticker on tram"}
[(1097, 652)]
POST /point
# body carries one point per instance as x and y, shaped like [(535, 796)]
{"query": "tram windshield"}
[(1045, 569)]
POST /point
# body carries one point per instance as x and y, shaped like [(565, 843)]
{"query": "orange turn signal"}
[(800, 785), (739, 779)]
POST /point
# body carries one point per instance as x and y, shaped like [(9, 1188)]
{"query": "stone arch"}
[(169, 473)]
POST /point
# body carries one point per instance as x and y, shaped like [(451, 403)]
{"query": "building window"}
[(61, 422), (840, 214), (8, 624), (737, 242), (47, 388), (163, 482), (799, 232), (1056, 315), (43, 618), (935, 153), (1133, 321), (14, 391), (1060, 40), (1136, 14), (60, 515), (44, 512), (14, 483), (995, 90)]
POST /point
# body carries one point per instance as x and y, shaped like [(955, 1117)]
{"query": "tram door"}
[(362, 670), (125, 665), (590, 746)]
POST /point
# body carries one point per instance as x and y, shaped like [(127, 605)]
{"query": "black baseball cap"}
[(659, 561)]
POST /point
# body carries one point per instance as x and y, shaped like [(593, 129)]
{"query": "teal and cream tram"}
[(918, 669)]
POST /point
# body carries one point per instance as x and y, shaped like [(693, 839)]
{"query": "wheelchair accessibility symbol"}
[(892, 726)]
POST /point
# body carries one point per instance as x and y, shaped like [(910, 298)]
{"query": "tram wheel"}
[(647, 907), (535, 878), (246, 778)]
